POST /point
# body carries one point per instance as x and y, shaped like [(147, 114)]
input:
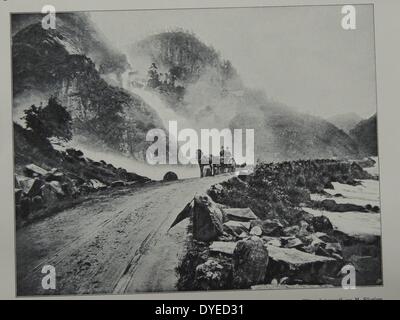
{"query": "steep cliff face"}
[(213, 95), (365, 134), (55, 63), (181, 51), (80, 36)]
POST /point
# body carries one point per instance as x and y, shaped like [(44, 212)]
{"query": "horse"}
[(216, 164), (227, 164)]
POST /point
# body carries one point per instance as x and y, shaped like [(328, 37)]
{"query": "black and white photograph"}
[(167, 150)]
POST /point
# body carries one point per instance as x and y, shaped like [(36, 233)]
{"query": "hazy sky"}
[(300, 56)]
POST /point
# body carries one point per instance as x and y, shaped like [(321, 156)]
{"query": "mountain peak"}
[(345, 121)]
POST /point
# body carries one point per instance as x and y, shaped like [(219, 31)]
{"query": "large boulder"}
[(300, 266), (170, 176), (250, 261), (321, 224), (207, 219)]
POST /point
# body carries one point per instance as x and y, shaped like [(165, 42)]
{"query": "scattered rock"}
[(216, 189), (293, 243), (376, 209), (118, 183), (170, 176), (74, 153), (30, 186), (49, 194), (223, 247), (55, 175), (240, 214), (250, 261), (69, 188), (97, 185), (334, 247), (256, 231), (237, 226), (269, 227), (271, 241), (57, 188), (32, 170), (305, 229), (291, 231)]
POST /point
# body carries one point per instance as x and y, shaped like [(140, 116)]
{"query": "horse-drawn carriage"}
[(211, 165)]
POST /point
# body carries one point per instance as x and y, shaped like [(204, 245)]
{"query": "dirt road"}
[(112, 244)]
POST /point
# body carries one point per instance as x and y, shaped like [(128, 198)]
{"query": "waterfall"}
[(155, 172), (165, 113)]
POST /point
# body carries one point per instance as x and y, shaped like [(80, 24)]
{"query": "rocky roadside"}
[(252, 231), (42, 190)]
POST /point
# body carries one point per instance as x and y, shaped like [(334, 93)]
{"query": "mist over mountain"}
[(211, 93), (365, 134), (76, 64), (79, 35), (346, 121), (71, 63)]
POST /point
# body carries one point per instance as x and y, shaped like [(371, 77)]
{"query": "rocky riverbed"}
[(290, 224), (41, 190)]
